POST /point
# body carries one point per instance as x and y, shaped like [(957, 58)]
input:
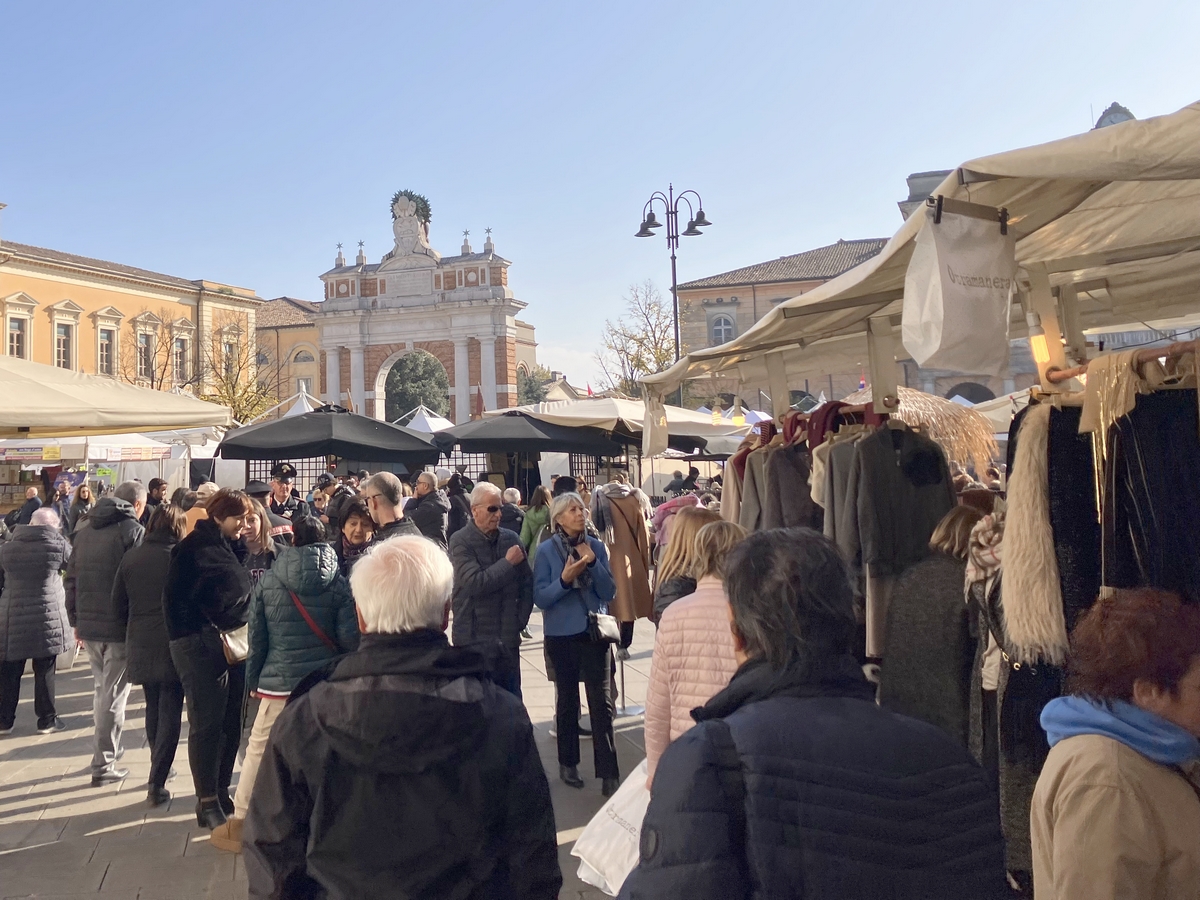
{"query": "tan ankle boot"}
[(228, 837)]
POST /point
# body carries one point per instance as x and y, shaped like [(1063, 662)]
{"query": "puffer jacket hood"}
[(110, 511), (306, 570), (370, 737)]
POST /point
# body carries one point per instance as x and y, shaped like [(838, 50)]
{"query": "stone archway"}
[(971, 390), (380, 397)]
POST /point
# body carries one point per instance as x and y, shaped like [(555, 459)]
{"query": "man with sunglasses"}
[(384, 498), (493, 587)]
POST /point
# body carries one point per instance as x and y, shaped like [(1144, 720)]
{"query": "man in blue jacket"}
[(795, 783)]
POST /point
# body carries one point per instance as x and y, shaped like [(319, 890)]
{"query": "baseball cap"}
[(206, 490), (324, 480)]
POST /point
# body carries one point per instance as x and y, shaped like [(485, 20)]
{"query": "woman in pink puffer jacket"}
[(693, 651)]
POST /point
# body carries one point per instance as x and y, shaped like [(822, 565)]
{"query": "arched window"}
[(303, 356), (722, 330)]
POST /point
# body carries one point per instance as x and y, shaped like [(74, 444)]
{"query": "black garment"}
[(674, 487), (512, 517), (43, 690), (293, 509), (796, 784), (787, 501), (430, 514), (164, 722), (100, 542), (258, 564), (28, 508), (338, 501), (1152, 500), (926, 672), (396, 528), (671, 590), (402, 772), (151, 506), (492, 598), (460, 513), (215, 692), (576, 658), (280, 529), (207, 586), (138, 591), (348, 553), (33, 615)]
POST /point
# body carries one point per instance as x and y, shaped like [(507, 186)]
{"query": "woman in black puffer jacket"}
[(138, 592), (33, 617), (208, 592)]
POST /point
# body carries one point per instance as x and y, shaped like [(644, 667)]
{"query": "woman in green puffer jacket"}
[(302, 615), (536, 526)]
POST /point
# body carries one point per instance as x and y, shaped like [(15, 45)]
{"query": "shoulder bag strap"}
[(316, 629)]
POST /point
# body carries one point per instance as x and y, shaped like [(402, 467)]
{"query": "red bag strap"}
[(316, 629)]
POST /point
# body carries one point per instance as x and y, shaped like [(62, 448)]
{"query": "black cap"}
[(284, 472), (256, 487), (324, 480)]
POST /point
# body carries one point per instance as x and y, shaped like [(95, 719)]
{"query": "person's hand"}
[(78, 641), (325, 520), (587, 555), (572, 570), (255, 695), (515, 555)]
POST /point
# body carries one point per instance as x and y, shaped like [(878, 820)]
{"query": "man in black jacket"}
[(32, 502), (429, 509), (795, 783), (384, 497), (493, 585), (402, 771), (99, 543)]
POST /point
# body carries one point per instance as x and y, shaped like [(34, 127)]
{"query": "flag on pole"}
[(589, 389), (479, 405), (862, 378)]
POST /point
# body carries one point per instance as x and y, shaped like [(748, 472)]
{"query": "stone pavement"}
[(62, 839)]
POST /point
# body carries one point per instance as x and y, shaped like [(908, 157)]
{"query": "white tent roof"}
[(1115, 211), (45, 401), (1000, 412), (302, 405), (612, 414), (425, 420)]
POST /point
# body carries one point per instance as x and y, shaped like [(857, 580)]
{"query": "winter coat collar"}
[(110, 511), (36, 533), (818, 676), (1152, 736)]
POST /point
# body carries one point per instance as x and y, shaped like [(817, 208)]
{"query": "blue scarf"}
[(1152, 736)]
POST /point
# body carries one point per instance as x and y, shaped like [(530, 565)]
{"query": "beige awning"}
[(1115, 212), (45, 401)]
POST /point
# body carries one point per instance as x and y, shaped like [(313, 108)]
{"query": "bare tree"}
[(147, 352), (641, 342), (229, 362)]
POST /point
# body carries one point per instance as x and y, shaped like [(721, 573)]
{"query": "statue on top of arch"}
[(411, 232)]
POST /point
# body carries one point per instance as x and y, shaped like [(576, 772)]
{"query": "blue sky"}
[(240, 142)]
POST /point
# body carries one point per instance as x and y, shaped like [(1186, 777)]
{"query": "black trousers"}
[(215, 692), (164, 721), (577, 658), (43, 690)]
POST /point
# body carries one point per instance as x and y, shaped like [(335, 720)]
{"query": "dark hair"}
[(790, 595), (178, 496), (1146, 633), (167, 518), (455, 484), (566, 484), (355, 508), (156, 483), (228, 502), (540, 498), (307, 530), (189, 500)]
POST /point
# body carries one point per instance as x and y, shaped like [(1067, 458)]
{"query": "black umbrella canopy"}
[(518, 433), (329, 431)]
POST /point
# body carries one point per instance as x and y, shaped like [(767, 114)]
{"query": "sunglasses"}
[(493, 509)]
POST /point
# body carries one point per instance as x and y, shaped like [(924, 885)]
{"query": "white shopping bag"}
[(609, 844), (957, 294)]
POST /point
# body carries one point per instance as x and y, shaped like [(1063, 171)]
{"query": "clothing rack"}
[(1173, 351)]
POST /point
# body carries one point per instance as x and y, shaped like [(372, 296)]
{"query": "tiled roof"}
[(284, 311), (812, 265), (86, 262)]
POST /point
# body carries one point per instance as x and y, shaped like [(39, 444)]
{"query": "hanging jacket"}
[(99, 544), (138, 590), (787, 501), (33, 613), (283, 648)]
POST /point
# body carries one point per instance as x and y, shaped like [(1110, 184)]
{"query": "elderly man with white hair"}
[(493, 586), (402, 770), (429, 509)]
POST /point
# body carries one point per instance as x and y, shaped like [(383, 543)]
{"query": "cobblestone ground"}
[(61, 838)]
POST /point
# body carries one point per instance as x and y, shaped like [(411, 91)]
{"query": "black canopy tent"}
[(519, 433), (330, 431)]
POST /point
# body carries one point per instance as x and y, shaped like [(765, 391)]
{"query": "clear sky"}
[(240, 142)]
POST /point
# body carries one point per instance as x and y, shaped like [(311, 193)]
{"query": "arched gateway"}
[(458, 308)]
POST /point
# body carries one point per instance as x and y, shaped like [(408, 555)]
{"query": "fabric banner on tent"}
[(957, 293)]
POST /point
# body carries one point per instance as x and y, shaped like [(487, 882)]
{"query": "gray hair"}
[(428, 478), (512, 495), (388, 486), (789, 590), (402, 585), (132, 492), (562, 503), (482, 492), (44, 516)]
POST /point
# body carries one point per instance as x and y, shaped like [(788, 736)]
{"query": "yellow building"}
[(105, 318), (289, 356)]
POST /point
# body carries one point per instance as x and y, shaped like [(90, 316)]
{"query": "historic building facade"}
[(458, 308), (104, 318)]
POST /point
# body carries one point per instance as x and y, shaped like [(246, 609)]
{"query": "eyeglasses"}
[(367, 498), (493, 509)]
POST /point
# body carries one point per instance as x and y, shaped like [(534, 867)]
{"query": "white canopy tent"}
[(46, 401), (1107, 229), (425, 420), (613, 414)]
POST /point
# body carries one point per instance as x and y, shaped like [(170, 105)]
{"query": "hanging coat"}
[(627, 538)]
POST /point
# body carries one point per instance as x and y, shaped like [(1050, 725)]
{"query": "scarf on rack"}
[(1031, 593), (564, 543)]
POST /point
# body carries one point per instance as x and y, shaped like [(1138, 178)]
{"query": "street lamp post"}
[(696, 220)]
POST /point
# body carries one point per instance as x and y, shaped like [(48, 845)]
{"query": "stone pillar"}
[(358, 389), (462, 382), (487, 370), (333, 375)]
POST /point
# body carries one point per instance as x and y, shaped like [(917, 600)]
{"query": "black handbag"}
[(603, 628)]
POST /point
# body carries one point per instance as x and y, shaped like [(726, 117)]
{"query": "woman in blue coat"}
[(572, 578)]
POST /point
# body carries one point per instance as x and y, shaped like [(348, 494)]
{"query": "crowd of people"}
[(378, 626)]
